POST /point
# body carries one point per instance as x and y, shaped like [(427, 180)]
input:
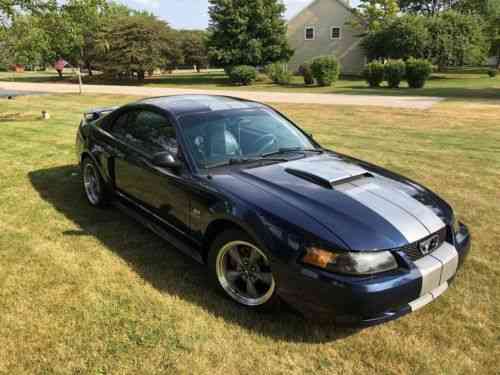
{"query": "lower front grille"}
[(412, 250)]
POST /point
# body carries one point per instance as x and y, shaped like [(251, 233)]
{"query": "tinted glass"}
[(148, 131), (216, 137)]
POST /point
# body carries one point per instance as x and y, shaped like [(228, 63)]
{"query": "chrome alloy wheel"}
[(92, 184), (244, 273)]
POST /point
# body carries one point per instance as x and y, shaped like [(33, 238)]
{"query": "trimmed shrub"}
[(228, 69), (374, 73), (394, 72), (4, 67), (262, 78), (418, 72), (325, 70), (492, 73), (306, 72), (278, 73), (243, 75)]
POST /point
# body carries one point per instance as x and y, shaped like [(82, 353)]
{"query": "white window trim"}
[(331, 32), (314, 32)]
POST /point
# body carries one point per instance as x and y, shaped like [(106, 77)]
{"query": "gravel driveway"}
[(412, 102)]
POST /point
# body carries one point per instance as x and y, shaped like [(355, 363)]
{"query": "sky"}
[(193, 14)]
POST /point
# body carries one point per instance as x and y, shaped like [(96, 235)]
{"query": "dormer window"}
[(310, 33), (335, 33)]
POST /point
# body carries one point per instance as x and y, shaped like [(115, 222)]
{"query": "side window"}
[(309, 33), (148, 131), (119, 128), (335, 33), (155, 132)]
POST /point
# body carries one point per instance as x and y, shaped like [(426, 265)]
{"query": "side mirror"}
[(167, 160)]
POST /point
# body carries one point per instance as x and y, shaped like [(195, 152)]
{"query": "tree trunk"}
[(89, 68)]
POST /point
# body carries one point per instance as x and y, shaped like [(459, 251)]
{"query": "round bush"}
[(228, 69), (418, 72), (374, 74), (278, 73), (325, 70), (492, 73), (243, 75), (306, 72), (394, 72)]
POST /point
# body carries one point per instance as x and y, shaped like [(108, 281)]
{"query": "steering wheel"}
[(264, 143)]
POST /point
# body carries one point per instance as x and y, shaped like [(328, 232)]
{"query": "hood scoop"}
[(326, 173)]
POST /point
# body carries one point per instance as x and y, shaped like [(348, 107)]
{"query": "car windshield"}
[(217, 138)]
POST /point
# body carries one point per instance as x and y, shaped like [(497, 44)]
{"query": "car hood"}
[(366, 206)]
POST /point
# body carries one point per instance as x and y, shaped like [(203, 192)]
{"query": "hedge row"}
[(415, 71)]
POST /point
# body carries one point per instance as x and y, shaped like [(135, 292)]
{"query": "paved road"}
[(412, 102), (6, 93)]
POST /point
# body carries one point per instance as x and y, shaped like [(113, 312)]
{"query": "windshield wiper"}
[(236, 161), (285, 150)]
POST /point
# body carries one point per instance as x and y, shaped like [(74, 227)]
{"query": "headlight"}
[(351, 263)]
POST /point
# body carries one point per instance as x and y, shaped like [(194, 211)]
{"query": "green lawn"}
[(85, 291), (461, 84)]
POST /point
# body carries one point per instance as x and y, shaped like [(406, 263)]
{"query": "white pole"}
[(80, 85)]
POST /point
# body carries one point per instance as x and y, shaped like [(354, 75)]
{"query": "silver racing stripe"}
[(437, 268), (422, 213), (430, 268), (448, 256), (412, 229), (428, 298)]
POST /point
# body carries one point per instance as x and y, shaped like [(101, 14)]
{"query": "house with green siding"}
[(323, 28)]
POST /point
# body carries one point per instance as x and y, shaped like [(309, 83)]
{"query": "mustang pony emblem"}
[(429, 245)]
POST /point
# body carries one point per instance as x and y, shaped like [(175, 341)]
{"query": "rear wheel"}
[(93, 184), (242, 271)]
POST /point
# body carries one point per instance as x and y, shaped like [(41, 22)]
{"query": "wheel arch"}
[(218, 226), (84, 156)]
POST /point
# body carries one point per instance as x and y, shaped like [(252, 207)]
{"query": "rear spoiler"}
[(97, 113)]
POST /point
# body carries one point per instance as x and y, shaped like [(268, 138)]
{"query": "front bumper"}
[(368, 301)]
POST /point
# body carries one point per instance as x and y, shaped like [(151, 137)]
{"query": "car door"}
[(139, 136)]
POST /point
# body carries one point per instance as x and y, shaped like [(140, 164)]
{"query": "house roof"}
[(312, 2)]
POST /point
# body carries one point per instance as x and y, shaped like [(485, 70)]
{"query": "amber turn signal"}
[(318, 257)]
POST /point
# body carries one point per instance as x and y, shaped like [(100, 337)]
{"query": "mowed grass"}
[(455, 83), (86, 291)]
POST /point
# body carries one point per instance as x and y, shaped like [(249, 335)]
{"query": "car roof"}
[(180, 105)]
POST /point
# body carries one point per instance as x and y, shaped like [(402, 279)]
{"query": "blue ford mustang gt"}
[(274, 216)]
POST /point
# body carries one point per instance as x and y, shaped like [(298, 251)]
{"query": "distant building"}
[(322, 28)]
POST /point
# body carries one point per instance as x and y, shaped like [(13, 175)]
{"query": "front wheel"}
[(242, 270)]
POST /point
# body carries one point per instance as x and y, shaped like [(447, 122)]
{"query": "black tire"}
[(217, 257), (96, 195)]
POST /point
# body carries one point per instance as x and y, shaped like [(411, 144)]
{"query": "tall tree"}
[(247, 32), (27, 42), (426, 7), (194, 48), (457, 39), (489, 10), (404, 37), (9, 8), (136, 45), (85, 18), (373, 15)]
